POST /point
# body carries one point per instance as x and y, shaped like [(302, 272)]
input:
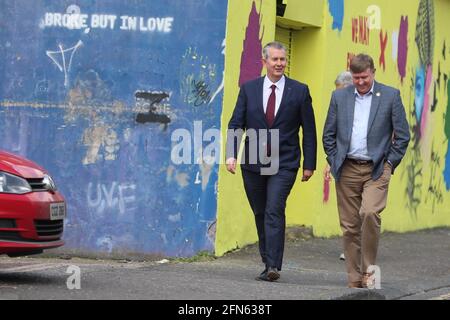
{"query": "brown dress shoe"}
[(272, 274), (367, 280)]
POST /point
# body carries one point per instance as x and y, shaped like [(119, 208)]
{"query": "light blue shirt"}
[(358, 143)]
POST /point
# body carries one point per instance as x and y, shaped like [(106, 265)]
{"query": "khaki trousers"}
[(360, 201)]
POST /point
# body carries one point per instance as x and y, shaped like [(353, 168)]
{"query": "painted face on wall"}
[(363, 81), (419, 93), (275, 64)]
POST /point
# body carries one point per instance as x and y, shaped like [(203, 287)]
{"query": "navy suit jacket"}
[(295, 111)]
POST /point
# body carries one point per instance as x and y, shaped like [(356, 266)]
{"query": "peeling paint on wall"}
[(102, 143)]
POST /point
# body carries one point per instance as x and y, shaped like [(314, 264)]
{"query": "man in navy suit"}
[(271, 110)]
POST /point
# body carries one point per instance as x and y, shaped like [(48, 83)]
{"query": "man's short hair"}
[(344, 79), (361, 63), (275, 45)]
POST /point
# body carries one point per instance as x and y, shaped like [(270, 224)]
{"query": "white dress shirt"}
[(278, 92)]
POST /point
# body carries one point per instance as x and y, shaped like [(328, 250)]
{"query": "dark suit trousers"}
[(267, 196)]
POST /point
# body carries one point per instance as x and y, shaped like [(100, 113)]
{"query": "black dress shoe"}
[(262, 277), (264, 272)]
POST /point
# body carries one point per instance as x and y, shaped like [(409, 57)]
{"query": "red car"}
[(32, 211)]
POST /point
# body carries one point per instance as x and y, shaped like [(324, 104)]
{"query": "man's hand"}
[(307, 174), (231, 165)]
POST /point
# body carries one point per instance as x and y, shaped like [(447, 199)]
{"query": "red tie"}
[(270, 111)]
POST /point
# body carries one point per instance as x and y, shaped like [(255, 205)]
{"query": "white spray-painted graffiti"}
[(60, 59), (222, 84), (114, 195), (77, 20)]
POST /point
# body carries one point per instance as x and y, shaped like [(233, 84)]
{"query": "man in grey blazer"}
[(365, 137)]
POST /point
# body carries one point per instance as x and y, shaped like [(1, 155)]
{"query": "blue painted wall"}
[(95, 99)]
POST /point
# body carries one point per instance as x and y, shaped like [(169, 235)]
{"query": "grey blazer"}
[(387, 133)]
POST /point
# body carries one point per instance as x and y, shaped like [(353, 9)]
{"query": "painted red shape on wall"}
[(402, 47), (383, 44), (360, 30), (355, 30), (364, 30), (251, 64), (350, 56)]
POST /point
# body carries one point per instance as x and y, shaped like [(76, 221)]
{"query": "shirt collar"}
[(367, 93), (268, 83)]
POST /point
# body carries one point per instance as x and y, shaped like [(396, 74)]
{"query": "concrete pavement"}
[(413, 266)]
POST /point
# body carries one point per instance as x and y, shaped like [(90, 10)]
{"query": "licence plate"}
[(57, 211)]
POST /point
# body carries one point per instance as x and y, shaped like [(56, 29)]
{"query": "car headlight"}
[(49, 183), (13, 184)]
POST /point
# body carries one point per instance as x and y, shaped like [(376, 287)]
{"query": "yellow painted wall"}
[(304, 12), (418, 197)]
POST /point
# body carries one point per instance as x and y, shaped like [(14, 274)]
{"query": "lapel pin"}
[(378, 94)]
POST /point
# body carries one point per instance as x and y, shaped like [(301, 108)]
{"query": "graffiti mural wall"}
[(409, 42), (93, 90), (106, 94)]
